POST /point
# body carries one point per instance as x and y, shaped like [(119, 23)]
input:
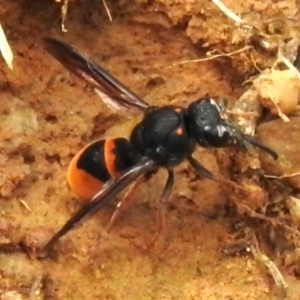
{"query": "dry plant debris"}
[(252, 31), (293, 205), (278, 91), (64, 11), (270, 266), (229, 13), (282, 176), (210, 55), (107, 10), (5, 49)]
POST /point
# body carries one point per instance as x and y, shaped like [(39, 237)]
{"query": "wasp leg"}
[(106, 194), (207, 174), (161, 220), (125, 202)]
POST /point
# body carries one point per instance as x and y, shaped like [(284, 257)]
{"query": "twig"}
[(211, 57), (253, 214), (64, 10), (36, 287), (107, 10), (229, 13), (25, 205), (270, 266), (5, 49), (282, 176)]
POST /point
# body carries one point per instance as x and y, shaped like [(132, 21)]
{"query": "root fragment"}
[(270, 267)]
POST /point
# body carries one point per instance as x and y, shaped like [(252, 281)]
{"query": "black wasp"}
[(165, 137)]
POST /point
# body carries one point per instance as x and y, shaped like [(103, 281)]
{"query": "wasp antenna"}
[(257, 144), (242, 136), (207, 174)]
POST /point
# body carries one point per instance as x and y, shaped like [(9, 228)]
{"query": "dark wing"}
[(107, 193), (112, 92)]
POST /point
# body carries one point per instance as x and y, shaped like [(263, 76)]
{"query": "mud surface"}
[(47, 115)]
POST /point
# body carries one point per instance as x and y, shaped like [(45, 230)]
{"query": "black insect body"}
[(164, 138), (206, 124), (209, 129)]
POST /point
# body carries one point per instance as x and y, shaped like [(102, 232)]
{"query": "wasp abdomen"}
[(97, 163)]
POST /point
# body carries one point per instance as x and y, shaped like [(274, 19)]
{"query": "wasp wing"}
[(112, 92), (107, 193)]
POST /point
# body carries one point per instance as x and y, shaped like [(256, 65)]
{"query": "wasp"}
[(165, 137)]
